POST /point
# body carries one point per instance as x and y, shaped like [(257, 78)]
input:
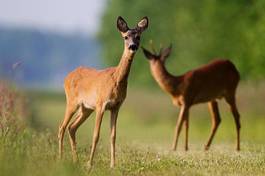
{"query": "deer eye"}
[(125, 37), (137, 37)]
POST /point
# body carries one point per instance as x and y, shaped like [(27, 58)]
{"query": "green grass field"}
[(145, 131)]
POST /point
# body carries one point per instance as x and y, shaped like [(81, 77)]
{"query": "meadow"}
[(145, 131)]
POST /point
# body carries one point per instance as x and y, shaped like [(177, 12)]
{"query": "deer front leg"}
[(113, 122), (183, 114), (99, 116)]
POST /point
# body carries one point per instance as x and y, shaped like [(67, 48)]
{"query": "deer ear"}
[(148, 54), (165, 53), (143, 24), (122, 25)]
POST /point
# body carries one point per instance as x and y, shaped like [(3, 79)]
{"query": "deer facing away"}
[(218, 79), (89, 90)]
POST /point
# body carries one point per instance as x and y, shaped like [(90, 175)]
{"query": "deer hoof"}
[(206, 148)]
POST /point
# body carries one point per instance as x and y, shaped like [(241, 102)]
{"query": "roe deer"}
[(208, 83), (89, 90)]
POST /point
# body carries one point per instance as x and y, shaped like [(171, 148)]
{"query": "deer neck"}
[(123, 69), (166, 81)]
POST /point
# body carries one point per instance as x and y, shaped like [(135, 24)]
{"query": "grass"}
[(144, 135), (36, 154)]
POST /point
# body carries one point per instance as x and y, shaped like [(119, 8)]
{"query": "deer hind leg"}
[(99, 116), (69, 112), (232, 103), (186, 122), (72, 128), (183, 115), (216, 120)]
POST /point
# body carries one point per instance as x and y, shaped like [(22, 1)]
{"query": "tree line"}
[(198, 30)]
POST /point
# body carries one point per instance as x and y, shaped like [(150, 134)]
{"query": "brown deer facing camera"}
[(89, 90), (218, 79)]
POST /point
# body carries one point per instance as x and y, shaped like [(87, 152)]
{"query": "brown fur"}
[(88, 90), (208, 83)]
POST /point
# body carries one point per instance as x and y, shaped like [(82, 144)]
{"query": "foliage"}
[(12, 110), (198, 30)]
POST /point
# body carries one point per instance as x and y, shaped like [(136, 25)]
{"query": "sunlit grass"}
[(36, 154), (145, 130)]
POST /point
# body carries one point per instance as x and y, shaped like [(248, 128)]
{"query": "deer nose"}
[(133, 47)]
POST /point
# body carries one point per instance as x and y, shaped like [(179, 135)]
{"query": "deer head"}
[(158, 69), (159, 57), (131, 36)]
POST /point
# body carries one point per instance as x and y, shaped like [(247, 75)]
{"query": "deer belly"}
[(89, 102), (207, 96)]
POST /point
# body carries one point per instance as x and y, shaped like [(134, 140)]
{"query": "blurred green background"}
[(198, 30)]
